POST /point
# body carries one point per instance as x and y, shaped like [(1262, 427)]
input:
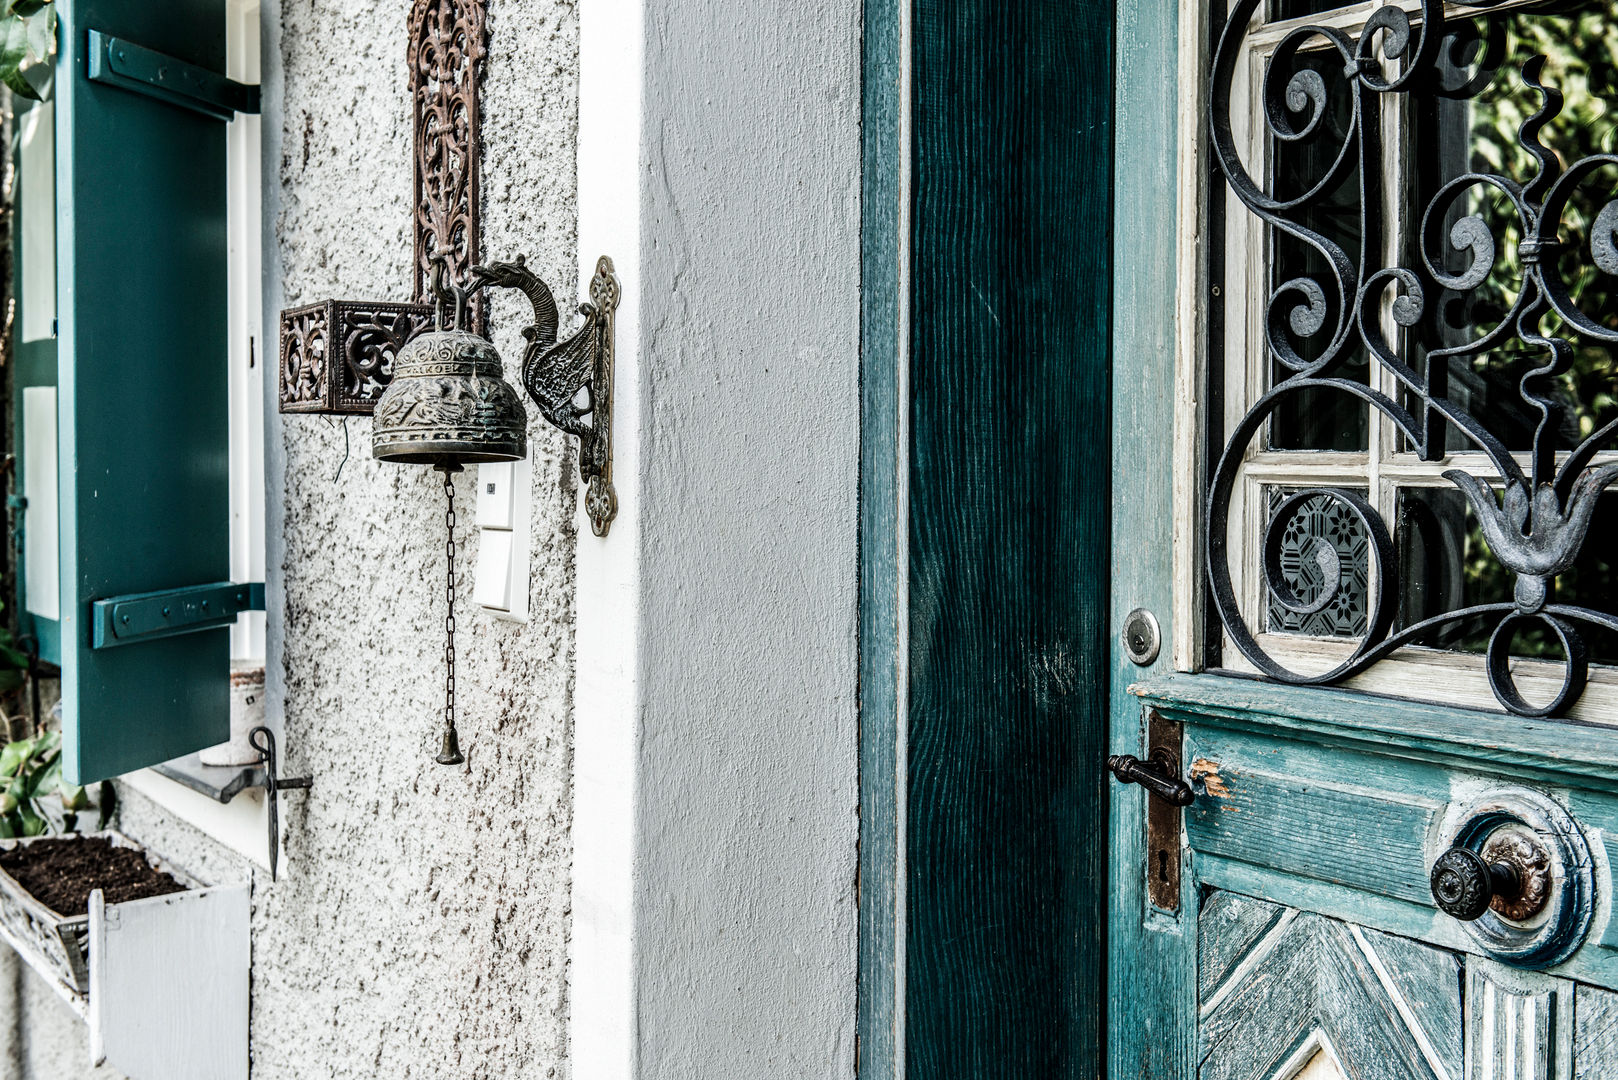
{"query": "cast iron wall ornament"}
[(1539, 526), (571, 382), (449, 406), (337, 356)]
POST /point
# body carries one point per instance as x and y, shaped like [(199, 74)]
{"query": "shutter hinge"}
[(123, 620), (128, 66)]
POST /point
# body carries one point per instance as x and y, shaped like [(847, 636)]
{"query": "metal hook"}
[(446, 293), (262, 739)]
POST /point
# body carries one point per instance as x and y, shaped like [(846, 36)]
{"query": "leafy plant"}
[(13, 662), (27, 44), (31, 773)]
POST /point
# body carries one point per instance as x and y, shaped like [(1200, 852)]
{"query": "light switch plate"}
[(492, 586), (496, 493), (505, 537)]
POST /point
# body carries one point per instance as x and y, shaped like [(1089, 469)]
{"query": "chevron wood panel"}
[(1290, 995), (1284, 991)]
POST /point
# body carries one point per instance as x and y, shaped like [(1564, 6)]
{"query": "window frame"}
[(242, 824)]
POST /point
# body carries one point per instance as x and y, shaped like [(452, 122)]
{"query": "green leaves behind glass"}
[(27, 46)]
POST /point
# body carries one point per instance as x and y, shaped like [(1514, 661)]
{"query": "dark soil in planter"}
[(61, 872)]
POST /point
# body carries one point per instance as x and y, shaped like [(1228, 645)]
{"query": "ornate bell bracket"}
[(571, 380), (337, 356)]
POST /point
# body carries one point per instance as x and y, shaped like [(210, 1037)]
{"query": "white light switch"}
[(500, 585), (492, 589), (495, 494)]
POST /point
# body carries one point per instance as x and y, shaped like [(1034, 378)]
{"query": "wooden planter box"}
[(58, 946), (162, 983)]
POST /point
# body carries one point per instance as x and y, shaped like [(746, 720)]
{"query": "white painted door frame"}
[(715, 823)]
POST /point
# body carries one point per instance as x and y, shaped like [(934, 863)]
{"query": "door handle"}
[(1157, 774), (1464, 885), (1512, 876)]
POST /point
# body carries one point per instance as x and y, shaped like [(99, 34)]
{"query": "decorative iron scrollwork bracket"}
[(336, 356), (557, 375)]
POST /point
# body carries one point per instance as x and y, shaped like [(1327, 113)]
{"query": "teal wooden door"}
[(1365, 341)]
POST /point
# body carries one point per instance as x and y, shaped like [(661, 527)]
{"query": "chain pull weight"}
[(450, 753)]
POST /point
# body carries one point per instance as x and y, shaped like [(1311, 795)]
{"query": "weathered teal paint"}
[(141, 241), (1008, 539), (881, 459), (1265, 995), (1151, 997)]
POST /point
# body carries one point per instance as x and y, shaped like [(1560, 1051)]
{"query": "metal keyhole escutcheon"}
[(1142, 637)]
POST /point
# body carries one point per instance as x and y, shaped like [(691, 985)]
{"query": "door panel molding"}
[(1536, 751), (1387, 1008)]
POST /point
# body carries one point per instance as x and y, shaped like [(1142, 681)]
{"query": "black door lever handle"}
[(1157, 774)]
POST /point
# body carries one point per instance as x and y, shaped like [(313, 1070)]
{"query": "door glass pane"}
[(1297, 9), (1321, 538), (1316, 419), (1445, 564), (1469, 121)]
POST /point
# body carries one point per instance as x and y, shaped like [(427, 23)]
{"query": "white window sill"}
[(241, 824)]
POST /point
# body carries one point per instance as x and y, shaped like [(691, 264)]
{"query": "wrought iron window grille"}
[(1537, 528)]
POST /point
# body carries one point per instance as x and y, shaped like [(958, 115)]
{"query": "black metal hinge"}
[(123, 620), (128, 66)]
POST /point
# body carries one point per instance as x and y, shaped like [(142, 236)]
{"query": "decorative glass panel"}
[(1325, 559), (1316, 419)]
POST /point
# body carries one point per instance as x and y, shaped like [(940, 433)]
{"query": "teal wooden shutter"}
[(143, 430)]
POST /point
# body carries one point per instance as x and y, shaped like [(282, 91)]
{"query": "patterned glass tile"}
[(1322, 520)]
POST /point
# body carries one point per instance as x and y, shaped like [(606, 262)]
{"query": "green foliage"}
[(30, 769), (1581, 51), (30, 774), (27, 45)]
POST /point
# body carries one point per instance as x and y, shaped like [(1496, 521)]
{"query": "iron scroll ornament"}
[(1537, 529), (571, 382)]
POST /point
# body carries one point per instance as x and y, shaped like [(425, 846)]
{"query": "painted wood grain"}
[(1417, 921), (1519, 1025), (1595, 1034), (1151, 984), (169, 985), (1340, 833), (1008, 534), (882, 456), (1533, 750), (1230, 926), (1387, 1009)]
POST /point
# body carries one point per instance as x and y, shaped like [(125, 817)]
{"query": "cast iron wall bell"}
[(450, 406)]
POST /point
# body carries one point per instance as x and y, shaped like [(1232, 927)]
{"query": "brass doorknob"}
[(1464, 885)]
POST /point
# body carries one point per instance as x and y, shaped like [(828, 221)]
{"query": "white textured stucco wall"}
[(420, 925), (421, 928), (748, 800)]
